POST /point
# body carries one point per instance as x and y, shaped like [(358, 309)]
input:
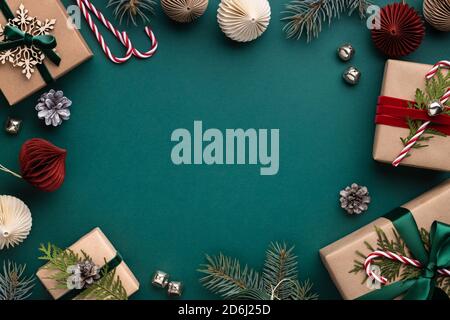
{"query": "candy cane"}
[(86, 6), (153, 47), (393, 256), (434, 70), (424, 126), (411, 143)]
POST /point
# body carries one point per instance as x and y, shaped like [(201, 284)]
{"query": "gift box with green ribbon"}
[(404, 254), (90, 269), (38, 45)]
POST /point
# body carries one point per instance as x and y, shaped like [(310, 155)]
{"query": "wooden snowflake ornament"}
[(24, 57)]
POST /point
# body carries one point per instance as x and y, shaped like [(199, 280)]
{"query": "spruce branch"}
[(305, 291), (279, 280), (280, 264), (14, 284), (226, 277), (307, 16)]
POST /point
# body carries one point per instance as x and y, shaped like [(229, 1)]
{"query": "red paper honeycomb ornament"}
[(42, 164), (402, 30)]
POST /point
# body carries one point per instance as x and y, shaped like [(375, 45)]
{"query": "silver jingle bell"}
[(346, 52), (435, 108), (351, 75), (12, 126), (175, 288), (160, 279)]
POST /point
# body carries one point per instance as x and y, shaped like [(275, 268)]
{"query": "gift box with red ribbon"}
[(402, 121)]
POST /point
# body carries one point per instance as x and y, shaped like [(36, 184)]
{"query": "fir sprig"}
[(307, 16), (108, 287), (14, 284), (279, 279), (434, 89), (394, 270)]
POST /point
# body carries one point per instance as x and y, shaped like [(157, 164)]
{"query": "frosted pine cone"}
[(82, 275), (53, 106), (355, 199)]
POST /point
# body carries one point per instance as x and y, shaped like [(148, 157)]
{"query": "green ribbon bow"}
[(438, 257), (17, 38)]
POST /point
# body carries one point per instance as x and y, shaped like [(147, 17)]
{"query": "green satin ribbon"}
[(438, 257), (6, 10), (17, 38), (110, 265)]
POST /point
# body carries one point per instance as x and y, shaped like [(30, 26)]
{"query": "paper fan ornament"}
[(437, 13), (15, 221), (41, 164), (243, 20), (401, 32), (184, 10)]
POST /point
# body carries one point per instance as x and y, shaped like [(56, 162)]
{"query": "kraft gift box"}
[(401, 79), (98, 247), (71, 47), (339, 256)]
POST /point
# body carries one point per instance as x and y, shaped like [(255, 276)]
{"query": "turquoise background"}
[(161, 216)]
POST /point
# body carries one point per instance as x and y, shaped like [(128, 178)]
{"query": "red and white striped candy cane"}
[(411, 143), (153, 48), (434, 70), (393, 256), (424, 126), (86, 6)]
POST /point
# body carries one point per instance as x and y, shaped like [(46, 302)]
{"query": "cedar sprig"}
[(108, 287), (14, 284), (434, 89), (307, 16), (60, 260), (391, 269), (279, 279)]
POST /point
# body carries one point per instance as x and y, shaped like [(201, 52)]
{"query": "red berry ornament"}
[(402, 30), (42, 164)]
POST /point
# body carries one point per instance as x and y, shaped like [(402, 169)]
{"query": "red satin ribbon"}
[(394, 112)]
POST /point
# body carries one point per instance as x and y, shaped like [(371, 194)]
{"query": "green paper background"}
[(160, 216)]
